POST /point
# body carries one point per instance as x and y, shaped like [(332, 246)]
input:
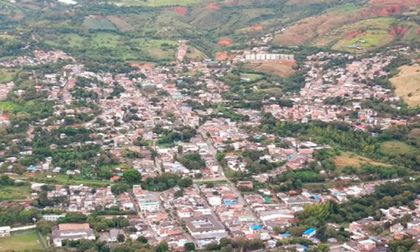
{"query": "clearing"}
[(21, 241), (407, 86), (280, 69), (348, 159)]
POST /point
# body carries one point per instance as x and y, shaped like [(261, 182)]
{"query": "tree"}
[(162, 247), (44, 227), (132, 176), (401, 245), (73, 218), (189, 246), (142, 239), (120, 238), (119, 188)]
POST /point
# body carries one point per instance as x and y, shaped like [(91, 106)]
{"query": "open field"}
[(348, 159), (156, 3), (280, 69), (14, 193), (21, 241), (407, 84), (395, 148)]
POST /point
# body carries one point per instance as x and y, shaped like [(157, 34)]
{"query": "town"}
[(266, 149)]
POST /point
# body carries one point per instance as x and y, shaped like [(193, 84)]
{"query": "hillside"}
[(357, 27)]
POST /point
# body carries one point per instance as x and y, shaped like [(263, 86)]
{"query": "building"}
[(309, 233), (5, 231), (206, 227), (72, 232), (52, 217), (149, 202)]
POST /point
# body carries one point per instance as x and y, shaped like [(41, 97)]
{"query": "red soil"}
[(398, 30), (225, 42), (213, 6), (182, 11), (222, 56), (257, 28), (353, 34), (232, 3)]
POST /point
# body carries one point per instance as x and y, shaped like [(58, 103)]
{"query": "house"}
[(309, 233), (5, 231), (113, 234), (396, 228), (72, 232), (366, 245)]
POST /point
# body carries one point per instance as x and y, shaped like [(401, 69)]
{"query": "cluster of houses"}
[(352, 83), (39, 57)]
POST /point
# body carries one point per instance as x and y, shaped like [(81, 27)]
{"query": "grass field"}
[(348, 159), (14, 193), (395, 148), (407, 84), (157, 3), (160, 49), (21, 241)]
